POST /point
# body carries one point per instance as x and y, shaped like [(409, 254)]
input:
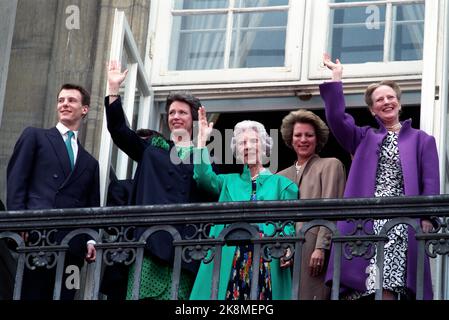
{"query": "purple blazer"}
[(419, 160)]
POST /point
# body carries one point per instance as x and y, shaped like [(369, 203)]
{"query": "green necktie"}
[(68, 145)]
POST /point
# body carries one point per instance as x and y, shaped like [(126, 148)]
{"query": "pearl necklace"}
[(256, 175), (395, 127), (298, 167)]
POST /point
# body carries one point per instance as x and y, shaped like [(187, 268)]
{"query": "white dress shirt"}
[(63, 130)]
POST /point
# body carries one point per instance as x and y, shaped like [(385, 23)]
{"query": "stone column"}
[(7, 19), (26, 86)]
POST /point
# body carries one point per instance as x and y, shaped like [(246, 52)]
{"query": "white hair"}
[(265, 139)]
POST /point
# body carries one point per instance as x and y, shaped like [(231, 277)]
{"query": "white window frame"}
[(160, 46), (434, 110), (123, 40), (319, 36)]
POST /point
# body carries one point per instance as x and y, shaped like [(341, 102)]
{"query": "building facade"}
[(253, 59)]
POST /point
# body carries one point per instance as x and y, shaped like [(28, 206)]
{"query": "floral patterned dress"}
[(239, 286), (389, 183)]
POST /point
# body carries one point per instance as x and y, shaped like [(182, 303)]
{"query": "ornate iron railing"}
[(121, 247)]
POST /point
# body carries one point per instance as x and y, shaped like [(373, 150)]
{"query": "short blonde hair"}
[(389, 83), (304, 116)]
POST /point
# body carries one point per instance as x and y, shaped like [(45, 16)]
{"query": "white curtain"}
[(416, 30), (203, 47), (244, 40)]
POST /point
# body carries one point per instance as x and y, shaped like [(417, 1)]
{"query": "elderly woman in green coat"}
[(251, 144)]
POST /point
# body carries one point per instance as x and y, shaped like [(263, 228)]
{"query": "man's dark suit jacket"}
[(157, 179), (39, 177)]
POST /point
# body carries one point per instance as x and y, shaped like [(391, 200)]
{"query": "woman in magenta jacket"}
[(391, 160)]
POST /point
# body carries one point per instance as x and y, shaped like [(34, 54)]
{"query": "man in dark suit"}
[(49, 169)]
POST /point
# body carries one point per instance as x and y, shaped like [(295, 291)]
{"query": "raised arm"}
[(125, 138), (203, 173), (204, 128), (115, 79), (336, 67), (341, 124)]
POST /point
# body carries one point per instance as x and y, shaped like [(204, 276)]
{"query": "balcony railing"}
[(120, 246)]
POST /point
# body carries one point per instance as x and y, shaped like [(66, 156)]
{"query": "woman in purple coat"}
[(392, 160)]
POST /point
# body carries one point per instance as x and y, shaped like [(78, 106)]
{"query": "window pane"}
[(200, 4), (408, 32), (258, 40), (198, 42), (259, 3), (345, 1), (356, 35)]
